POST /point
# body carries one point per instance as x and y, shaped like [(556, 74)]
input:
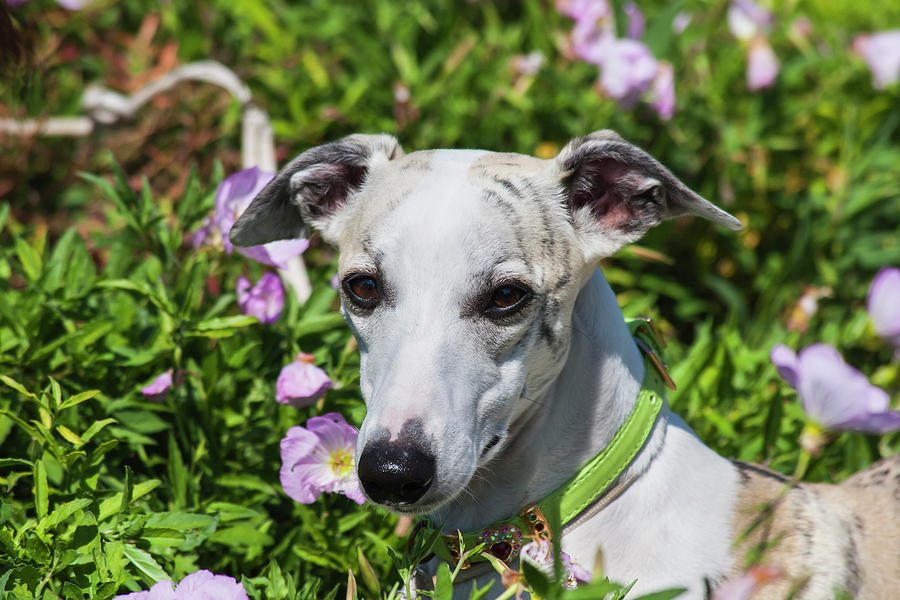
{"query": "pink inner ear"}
[(327, 185), (605, 186)]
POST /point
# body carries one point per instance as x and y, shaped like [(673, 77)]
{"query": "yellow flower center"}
[(341, 462)]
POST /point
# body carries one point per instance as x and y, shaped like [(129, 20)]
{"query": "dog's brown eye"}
[(507, 299), (507, 296), (362, 290)]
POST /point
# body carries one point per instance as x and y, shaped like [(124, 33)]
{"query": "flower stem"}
[(802, 464)]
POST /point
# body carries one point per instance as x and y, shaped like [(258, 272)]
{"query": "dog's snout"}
[(395, 473)]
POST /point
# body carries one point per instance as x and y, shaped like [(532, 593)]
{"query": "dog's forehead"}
[(436, 202)]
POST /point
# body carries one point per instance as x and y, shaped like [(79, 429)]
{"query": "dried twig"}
[(105, 107)]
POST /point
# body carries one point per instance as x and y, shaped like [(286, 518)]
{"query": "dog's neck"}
[(570, 422)]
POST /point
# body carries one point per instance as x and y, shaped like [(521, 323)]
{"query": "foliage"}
[(104, 491)]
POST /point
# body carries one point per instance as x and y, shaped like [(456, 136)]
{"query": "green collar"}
[(505, 539)]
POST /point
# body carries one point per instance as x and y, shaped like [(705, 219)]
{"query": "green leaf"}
[(180, 520), (78, 399), (29, 259), (143, 289), (16, 386), (63, 512), (145, 564), (57, 393), (443, 586), (4, 215), (70, 436), (127, 491), (537, 581), (95, 428), (41, 493), (113, 504), (663, 595), (241, 536)]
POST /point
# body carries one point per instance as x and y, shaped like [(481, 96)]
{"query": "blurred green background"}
[(811, 166)]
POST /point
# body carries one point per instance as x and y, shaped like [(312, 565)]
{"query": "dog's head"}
[(459, 270)]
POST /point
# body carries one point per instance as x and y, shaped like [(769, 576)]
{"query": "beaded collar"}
[(505, 539)]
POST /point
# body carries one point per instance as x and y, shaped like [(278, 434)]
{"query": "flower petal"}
[(785, 361), (156, 390), (762, 65), (833, 393), (883, 302), (881, 51), (204, 585), (265, 300), (301, 383)]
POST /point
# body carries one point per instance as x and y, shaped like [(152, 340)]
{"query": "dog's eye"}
[(507, 299), (362, 290)]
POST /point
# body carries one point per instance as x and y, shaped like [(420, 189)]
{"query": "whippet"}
[(496, 363)]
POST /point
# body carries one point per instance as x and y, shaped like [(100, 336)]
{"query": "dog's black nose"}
[(395, 473)]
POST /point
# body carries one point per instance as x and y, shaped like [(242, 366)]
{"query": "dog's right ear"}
[(311, 189)]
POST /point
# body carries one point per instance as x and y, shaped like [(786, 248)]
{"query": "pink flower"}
[(157, 389), (594, 27), (627, 71), (762, 65), (742, 587), (681, 22), (636, 21), (265, 300), (320, 458), (527, 64), (539, 554), (883, 303), (747, 19), (882, 53), (835, 395), (201, 585), (301, 383), (67, 4), (232, 198), (663, 93)]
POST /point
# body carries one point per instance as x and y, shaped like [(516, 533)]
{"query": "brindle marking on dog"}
[(782, 522)]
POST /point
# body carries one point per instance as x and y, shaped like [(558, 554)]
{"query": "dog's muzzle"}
[(395, 473)]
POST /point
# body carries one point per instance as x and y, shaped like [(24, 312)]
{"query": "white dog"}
[(502, 381)]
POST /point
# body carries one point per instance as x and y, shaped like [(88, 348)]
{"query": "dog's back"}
[(824, 539)]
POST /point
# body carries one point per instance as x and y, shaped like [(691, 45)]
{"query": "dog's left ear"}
[(616, 192), (312, 189)]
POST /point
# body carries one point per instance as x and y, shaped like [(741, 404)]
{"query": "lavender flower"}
[(750, 22), (67, 4), (762, 65), (232, 198), (882, 53), (835, 395), (201, 585), (747, 19), (539, 554), (663, 95), (627, 71), (636, 21), (265, 300), (158, 388), (627, 67), (681, 22), (320, 458), (527, 64), (594, 27), (301, 383), (743, 586), (884, 305)]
